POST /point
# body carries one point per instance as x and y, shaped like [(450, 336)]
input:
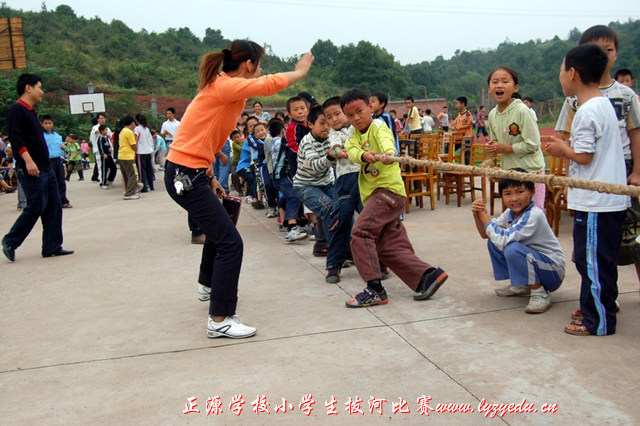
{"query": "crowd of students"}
[(316, 169), (325, 171)]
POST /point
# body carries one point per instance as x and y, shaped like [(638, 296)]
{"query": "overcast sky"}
[(411, 30)]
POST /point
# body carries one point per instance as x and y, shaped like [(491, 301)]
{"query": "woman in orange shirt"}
[(205, 127)]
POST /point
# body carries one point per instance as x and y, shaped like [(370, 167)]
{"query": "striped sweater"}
[(314, 167)]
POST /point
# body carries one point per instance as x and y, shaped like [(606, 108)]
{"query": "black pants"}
[(222, 251), (58, 170), (145, 168), (108, 165), (596, 241)]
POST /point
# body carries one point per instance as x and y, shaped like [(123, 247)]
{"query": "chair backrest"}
[(452, 156), (427, 149), (443, 139), (478, 154)]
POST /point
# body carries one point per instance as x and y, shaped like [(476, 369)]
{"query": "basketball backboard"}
[(87, 103)]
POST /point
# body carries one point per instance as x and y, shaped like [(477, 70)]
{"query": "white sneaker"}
[(131, 197), (204, 293), (271, 212), (104, 186), (248, 199), (230, 327), (539, 302), (295, 234), (510, 291)]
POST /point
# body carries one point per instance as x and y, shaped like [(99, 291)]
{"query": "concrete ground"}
[(114, 334)]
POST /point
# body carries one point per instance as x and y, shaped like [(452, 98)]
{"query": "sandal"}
[(67, 206), (577, 314), (577, 329)]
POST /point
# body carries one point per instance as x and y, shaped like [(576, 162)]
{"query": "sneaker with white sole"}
[(539, 302), (430, 283), (230, 327), (271, 212), (368, 297), (295, 234), (204, 293), (514, 290)]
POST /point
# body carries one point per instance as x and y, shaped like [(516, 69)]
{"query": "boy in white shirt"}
[(596, 154)]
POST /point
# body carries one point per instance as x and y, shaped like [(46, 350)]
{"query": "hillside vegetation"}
[(69, 51)]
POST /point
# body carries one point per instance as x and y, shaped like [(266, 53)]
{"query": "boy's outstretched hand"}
[(479, 205), (480, 216), (557, 147), (304, 63)]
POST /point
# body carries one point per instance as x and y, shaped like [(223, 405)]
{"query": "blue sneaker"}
[(368, 297)]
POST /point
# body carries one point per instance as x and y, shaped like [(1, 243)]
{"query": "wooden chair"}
[(419, 181), (555, 198), (477, 156), (457, 182)]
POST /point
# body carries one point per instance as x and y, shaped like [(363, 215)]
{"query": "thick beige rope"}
[(495, 172)]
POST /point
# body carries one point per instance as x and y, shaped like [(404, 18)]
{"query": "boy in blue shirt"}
[(377, 103)]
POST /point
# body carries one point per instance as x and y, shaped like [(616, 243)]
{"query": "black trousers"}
[(596, 241), (222, 251), (58, 170)]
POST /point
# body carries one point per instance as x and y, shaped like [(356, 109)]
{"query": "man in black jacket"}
[(34, 173)]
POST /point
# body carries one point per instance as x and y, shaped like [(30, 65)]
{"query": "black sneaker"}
[(333, 276), (430, 283), (368, 297)]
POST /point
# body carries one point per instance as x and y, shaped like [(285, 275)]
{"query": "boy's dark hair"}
[(384, 99), (275, 127), (353, 95), (100, 114), (392, 111), (292, 100), (46, 117), (258, 124), (279, 114), (335, 100), (462, 100), (409, 98), (528, 98), (102, 127), (234, 132), (622, 72), (252, 117), (127, 120), (505, 183), (589, 60), (314, 113), (172, 109), (599, 32), (309, 99), (428, 112), (26, 80)]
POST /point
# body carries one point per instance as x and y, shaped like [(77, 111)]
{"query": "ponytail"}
[(230, 58)]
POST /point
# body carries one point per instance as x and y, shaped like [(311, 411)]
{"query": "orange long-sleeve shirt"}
[(212, 115)]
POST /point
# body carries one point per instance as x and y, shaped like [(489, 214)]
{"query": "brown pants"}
[(128, 171), (379, 235)]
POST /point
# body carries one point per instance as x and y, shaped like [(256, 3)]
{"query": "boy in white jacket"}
[(522, 246)]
